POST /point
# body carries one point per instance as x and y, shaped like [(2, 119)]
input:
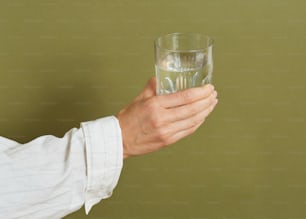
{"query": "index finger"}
[(185, 96)]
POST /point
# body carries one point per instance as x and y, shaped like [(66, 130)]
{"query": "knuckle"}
[(186, 95), (151, 107), (194, 122), (206, 113), (150, 104), (163, 136), (212, 98), (200, 119), (193, 109), (154, 120), (210, 87)]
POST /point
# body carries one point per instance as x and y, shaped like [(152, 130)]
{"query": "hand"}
[(151, 122)]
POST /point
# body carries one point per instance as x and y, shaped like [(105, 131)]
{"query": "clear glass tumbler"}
[(182, 60)]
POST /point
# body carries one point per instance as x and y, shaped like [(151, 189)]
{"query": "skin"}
[(152, 122)]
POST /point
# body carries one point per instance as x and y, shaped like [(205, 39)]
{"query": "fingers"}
[(179, 129), (186, 111), (192, 128), (194, 120), (186, 96), (182, 134)]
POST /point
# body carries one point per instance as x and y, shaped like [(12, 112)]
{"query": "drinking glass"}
[(182, 60)]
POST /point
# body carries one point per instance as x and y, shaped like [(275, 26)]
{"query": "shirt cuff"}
[(104, 158)]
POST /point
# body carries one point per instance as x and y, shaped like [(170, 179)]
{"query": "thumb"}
[(149, 90)]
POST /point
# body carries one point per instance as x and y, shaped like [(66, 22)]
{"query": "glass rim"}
[(209, 38)]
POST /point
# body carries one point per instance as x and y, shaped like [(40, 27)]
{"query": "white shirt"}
[(51, 177)]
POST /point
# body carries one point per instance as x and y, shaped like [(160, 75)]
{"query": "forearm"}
[(51, 177), (45, 177)]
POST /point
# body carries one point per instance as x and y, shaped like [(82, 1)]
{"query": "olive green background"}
[(64, 62)]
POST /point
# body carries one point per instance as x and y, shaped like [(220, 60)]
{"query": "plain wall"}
[(64, 62)]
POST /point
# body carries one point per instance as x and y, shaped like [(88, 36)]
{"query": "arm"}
[(51, 177)]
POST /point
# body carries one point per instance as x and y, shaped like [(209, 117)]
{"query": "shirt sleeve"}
[(104, 152), (51, 177)]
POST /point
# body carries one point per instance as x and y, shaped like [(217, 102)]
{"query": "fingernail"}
[(215, 93)]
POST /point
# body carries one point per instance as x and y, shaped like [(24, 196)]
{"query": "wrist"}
[(119, 118)]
